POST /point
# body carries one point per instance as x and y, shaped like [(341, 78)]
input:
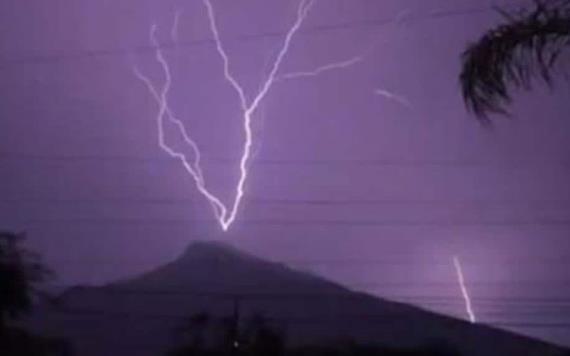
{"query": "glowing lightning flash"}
[(464, 292), (325, 68), (225, 215), (395, 97)]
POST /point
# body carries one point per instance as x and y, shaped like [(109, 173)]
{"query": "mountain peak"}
[(212, 250), (210, 246), (210, 265), (214, 277)]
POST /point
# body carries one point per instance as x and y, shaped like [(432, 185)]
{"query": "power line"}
[(511, 304), (122, 159), (78, 55), (305, 223), (342, 293), (365, 262), (490, 307), (384, 318), (279, 201)]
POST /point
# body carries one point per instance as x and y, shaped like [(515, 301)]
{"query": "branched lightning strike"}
[(224, 214), (161, 96), (249, 109), (464, 291), (395, 97)]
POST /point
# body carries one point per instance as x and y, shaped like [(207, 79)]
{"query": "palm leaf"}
[(513, 54)]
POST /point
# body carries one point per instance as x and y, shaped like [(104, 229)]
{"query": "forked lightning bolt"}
[(464, 291), (193, 168), (225, 214)]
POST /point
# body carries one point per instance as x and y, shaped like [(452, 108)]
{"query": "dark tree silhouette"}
[(195, 330), (259, 336), (20, 271), (18, 342), (512, 55), (262, 338), (256, 338)]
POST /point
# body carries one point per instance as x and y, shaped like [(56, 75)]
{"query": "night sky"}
[(373, 192)]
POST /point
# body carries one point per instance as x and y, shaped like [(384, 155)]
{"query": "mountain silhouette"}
[(140, 315)]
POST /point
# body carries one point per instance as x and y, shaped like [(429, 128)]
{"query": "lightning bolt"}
[(165, 113), (325, 68), (225, 215), (175, 25), (395, 97), (464, 291), (249, 109)]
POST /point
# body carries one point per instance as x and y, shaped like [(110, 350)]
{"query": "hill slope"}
[(138, 316)]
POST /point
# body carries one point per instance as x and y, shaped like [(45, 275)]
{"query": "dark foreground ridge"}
[(144, 315)]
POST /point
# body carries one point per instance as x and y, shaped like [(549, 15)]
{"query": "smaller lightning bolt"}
[(161, 97), (344, 64), (174, 30), (325, 68), (464, 292), (395, 97)]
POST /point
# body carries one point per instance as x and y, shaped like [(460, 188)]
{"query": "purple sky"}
[(406, 186)]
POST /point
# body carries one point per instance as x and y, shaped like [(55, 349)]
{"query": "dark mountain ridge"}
[(138, 316)]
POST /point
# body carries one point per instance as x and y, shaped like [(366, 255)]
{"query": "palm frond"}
[(512, 55)]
